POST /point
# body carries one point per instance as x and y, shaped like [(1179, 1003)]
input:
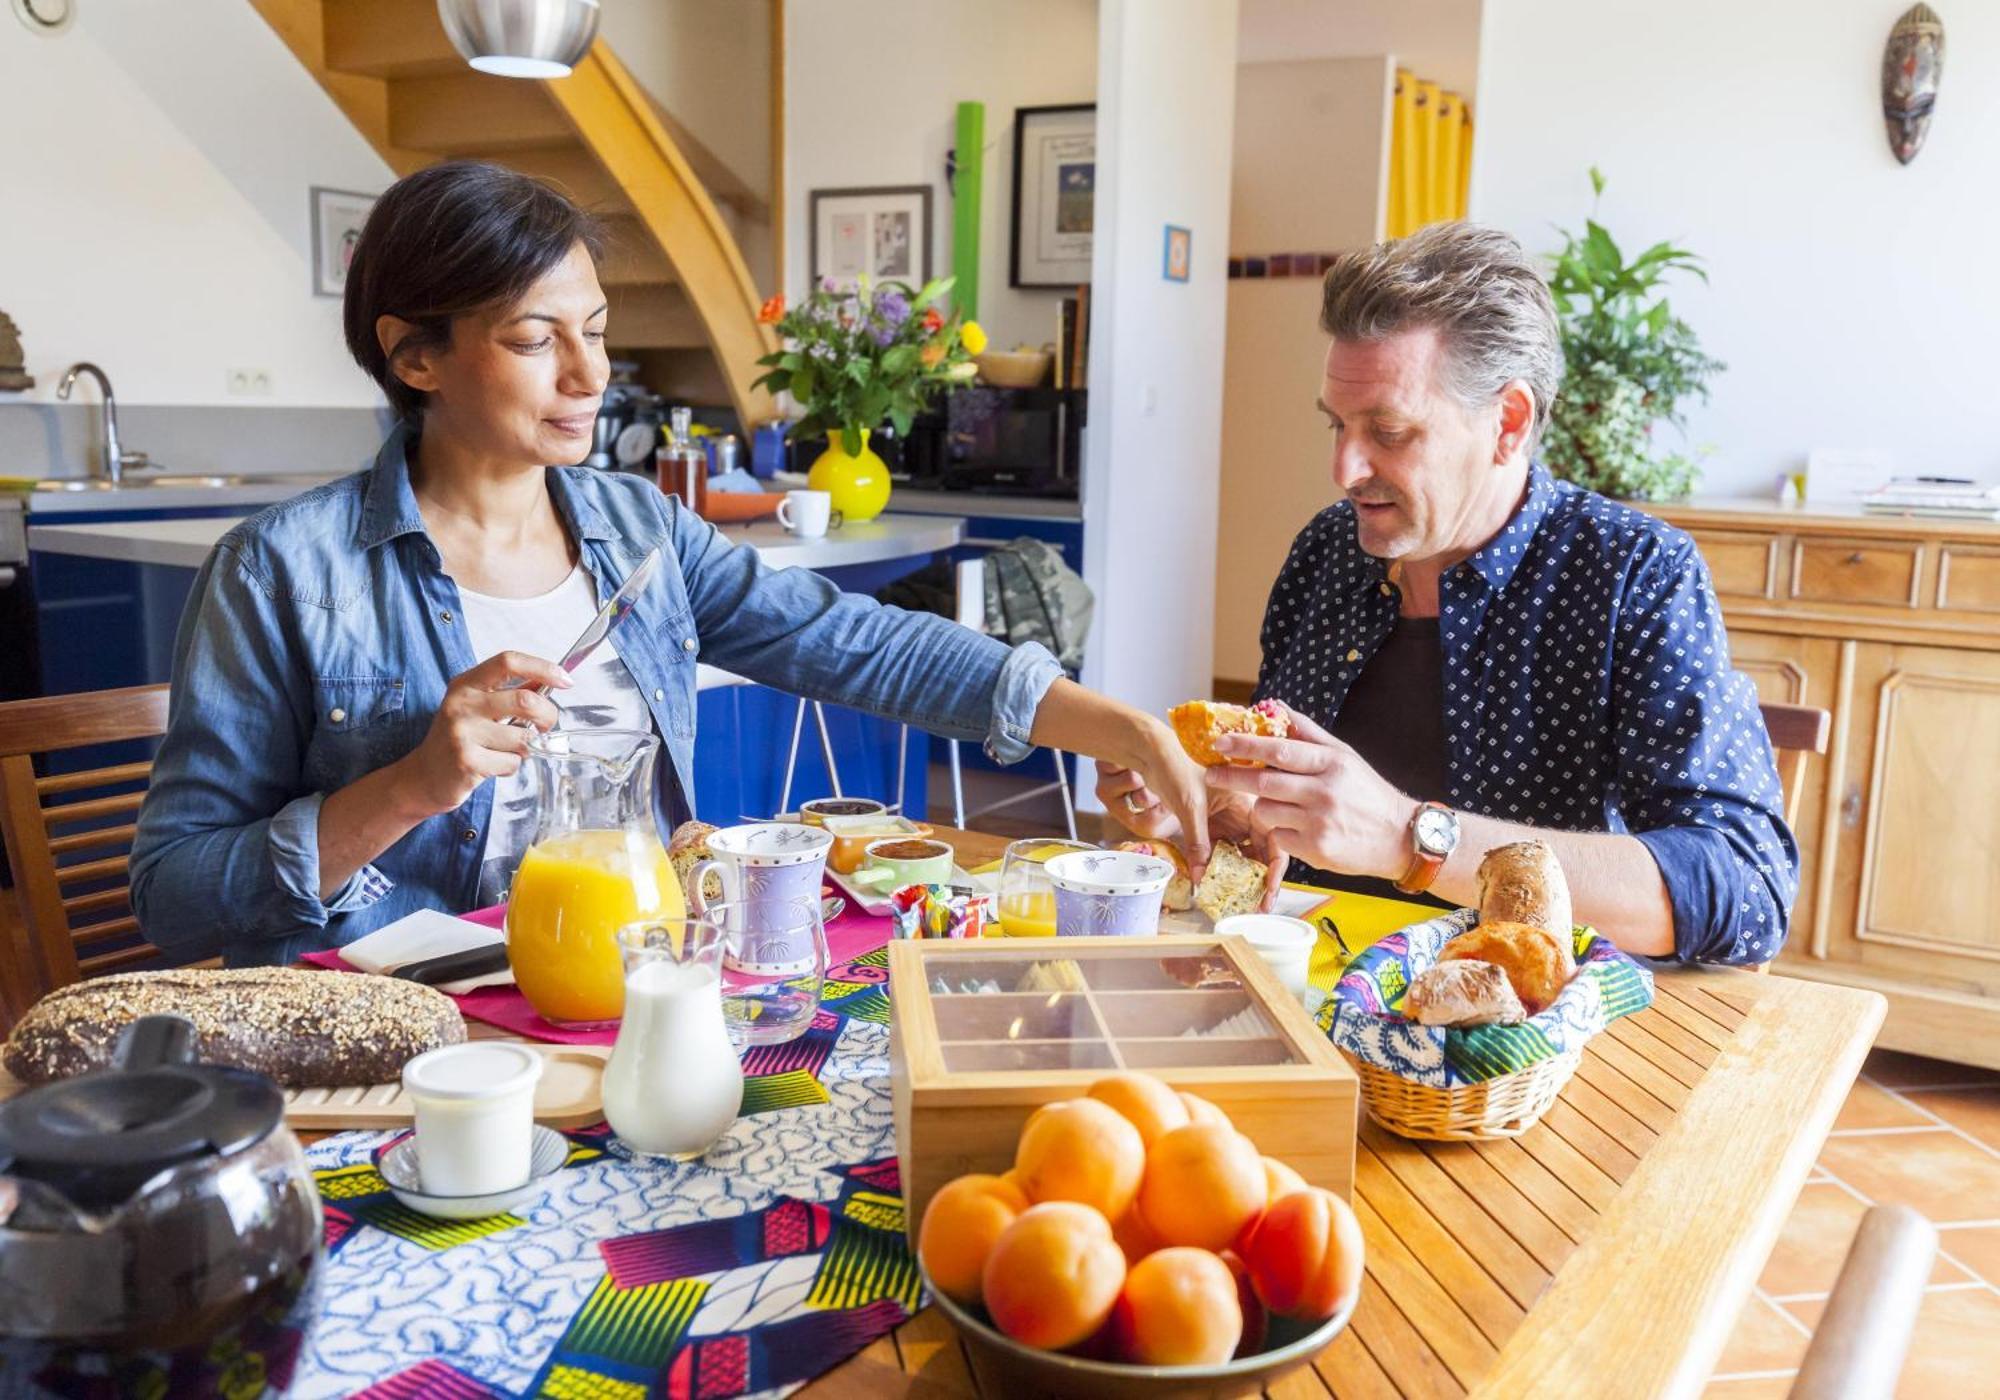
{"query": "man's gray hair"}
[(1488, 302)]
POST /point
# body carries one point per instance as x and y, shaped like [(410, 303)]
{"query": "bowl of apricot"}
[(1139, 1246)]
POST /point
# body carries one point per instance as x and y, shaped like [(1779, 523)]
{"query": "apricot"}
[(1084, 1151), (1178, 1308), (1151, 1106), (1281, 1179), (1135, 1236), (1053, 1276), (1305, 1255), (1200, 1110), (1203, 1184), (960, 1225), (1256, 1320)]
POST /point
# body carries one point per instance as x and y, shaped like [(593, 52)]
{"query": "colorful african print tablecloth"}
[(767, 1263)]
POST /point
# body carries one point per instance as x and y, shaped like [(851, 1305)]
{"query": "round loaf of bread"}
[(1533, 959), (1523, 883), (300, 1027)]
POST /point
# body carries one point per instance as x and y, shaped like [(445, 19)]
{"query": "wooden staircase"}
[(674, 274)]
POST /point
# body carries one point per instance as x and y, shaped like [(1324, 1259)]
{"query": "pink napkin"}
[(847, 937)]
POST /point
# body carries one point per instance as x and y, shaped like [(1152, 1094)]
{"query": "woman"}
[(355, 664)]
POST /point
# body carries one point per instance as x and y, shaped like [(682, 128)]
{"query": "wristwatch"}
[(1433, 837)]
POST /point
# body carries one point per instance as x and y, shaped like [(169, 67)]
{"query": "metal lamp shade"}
[(521, 38)]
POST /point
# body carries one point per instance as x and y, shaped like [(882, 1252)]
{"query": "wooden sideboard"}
[(1893, 625)]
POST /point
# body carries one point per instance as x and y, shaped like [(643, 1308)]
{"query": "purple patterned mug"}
[(1107, 893), (764, 868)]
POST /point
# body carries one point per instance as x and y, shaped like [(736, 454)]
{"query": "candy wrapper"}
[(938, 911)]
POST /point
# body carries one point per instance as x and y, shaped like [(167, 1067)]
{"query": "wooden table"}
[(1605, 1252)]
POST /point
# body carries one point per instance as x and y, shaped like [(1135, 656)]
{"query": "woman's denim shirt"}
[(320, 636)]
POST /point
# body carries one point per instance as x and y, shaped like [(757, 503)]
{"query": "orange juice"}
[(570, 897), (1029, 914)]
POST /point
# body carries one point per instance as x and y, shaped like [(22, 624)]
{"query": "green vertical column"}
[(965, 207)]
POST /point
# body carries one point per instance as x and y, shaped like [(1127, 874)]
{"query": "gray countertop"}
[(184, 544)]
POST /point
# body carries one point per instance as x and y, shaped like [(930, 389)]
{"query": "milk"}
[(673, 1085)]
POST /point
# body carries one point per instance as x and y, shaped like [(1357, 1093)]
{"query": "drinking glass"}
[(773, 965), (1027, 899)]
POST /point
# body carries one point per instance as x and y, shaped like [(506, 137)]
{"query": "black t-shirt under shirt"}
[(1394, 718)]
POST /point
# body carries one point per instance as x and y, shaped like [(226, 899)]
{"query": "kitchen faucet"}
[(112, 465)]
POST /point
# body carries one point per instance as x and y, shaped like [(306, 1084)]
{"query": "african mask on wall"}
[(1911, 66)]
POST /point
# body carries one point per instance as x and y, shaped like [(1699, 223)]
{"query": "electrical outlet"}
[(253, 383)]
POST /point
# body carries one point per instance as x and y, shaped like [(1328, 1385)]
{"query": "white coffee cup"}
[(808, 514)]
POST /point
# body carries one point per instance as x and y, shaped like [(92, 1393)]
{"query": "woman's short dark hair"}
[(446, 241)]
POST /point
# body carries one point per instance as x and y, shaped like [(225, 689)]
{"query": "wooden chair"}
[(66, 842), (1797, 733), (1858, 1348)]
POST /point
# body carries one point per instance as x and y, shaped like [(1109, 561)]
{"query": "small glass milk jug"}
[(673, 1085)]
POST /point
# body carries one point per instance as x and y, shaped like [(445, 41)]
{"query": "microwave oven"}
[(1026, 442)]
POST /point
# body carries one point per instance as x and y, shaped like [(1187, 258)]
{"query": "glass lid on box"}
[(1099, 1009)]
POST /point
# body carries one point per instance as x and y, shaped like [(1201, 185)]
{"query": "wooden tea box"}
[(987, 1030)]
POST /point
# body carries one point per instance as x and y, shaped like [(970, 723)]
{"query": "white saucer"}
[(398, 1166)]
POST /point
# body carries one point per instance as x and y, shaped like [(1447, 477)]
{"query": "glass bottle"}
[(673, 1085)]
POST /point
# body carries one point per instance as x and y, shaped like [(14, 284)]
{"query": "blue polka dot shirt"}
[(1587, 687)]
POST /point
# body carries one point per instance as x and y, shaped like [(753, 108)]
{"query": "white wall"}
[(1166, 109), (154, 182), (872, 89), (1435, 39), (1853, 298), (1310, 175)]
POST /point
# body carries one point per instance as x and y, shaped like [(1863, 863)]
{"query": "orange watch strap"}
[(1424, 866)]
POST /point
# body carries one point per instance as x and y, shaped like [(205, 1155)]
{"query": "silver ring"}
[(1132, 804)]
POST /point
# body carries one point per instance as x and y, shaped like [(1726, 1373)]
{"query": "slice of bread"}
[(1232, 884)]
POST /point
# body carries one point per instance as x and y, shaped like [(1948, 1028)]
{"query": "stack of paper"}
[(1931, 495)]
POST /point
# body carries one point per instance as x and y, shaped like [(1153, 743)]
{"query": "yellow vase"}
[(857, 481)]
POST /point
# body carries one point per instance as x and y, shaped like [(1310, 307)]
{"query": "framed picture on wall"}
[(1055, 195), (338, 217), (884, 232)]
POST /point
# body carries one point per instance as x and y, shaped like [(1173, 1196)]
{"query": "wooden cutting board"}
[(570, 1095)]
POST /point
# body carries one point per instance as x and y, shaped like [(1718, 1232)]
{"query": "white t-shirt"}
[(603, 696)]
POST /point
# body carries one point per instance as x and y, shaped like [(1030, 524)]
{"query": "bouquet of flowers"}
[(853, 358)]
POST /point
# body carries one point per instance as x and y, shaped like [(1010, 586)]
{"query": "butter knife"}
[(607, 620)]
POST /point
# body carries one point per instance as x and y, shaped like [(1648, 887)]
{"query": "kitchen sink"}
[(182, 481)]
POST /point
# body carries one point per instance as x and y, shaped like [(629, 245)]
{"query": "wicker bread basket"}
[(1497, 1108), (1472, 1084)]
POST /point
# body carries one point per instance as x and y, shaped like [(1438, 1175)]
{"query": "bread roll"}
[(1537, 963), (1199, 723), (1463, 993), (1179, 895), (1523, 883), (299, 1027)]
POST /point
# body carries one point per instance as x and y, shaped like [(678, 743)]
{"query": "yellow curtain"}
[(1430, 155)]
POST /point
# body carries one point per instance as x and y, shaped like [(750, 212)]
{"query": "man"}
[(1474, 653)]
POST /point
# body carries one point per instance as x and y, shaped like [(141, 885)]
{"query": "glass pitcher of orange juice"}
[(596, 865)]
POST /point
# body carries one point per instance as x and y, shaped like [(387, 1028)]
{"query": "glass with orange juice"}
[(1027, 899), (596, 865)]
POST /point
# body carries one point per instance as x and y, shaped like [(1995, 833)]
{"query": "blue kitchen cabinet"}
[(742, 737)]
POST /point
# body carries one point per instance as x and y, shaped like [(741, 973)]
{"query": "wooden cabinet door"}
[(1795, 670), (1916, 890)]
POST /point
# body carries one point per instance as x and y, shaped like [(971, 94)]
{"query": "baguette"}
[(300, 1027)]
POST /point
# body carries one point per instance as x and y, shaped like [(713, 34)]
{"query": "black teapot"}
[(159, 1230)]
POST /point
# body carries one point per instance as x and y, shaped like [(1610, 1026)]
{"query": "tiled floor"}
[(1921, 1133)]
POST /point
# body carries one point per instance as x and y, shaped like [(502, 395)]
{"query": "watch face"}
[(1437, 831)]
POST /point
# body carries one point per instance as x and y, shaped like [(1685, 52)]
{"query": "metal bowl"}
[(1003, 1366)]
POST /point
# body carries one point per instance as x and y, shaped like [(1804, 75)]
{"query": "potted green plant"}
[(854, 358), (1632, 364)]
